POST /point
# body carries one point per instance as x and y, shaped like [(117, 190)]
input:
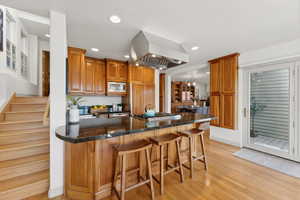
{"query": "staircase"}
[(24, 149)]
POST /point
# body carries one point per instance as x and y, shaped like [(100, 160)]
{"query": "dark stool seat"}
[(191, 134), (121, 151), (166, 140)]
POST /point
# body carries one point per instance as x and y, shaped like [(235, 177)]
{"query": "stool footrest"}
[(137, 185)]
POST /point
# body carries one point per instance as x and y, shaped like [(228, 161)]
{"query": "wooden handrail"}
[(46, 114)]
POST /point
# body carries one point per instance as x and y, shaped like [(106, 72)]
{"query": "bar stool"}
[(121, 152), (161, 141), (191, 135)]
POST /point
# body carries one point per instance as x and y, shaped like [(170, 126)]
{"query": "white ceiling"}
[(35, 28), (200, 75), (217, 27)]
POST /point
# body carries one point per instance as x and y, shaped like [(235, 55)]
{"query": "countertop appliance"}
[(116, 87)]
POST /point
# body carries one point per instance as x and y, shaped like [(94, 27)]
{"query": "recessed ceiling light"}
[(207, 72), (47, 35), (195, 48), (126, 56), (137, 64), (153, 55), (95, 49), (115, 19)]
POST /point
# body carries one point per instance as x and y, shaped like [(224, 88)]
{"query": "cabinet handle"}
[(245, 112)]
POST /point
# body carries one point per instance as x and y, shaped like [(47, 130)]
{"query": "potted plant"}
[(73, 103)]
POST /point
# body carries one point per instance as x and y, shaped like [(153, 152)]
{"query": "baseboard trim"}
[(225, 141), (55, 192)]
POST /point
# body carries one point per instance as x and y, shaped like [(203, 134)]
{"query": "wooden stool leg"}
[(161, 169), (203, 151), (140, 166), (123, 177), (191, 157), (167, 161), (179, 161), (150, 173)]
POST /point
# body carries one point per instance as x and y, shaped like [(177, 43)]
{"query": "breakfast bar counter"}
[(89, 153)]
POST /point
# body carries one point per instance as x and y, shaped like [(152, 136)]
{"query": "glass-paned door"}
[(270, 102)]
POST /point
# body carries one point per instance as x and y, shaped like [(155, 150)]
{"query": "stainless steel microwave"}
[(116, 87)]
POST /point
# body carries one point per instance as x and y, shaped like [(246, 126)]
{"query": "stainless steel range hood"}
[(154, 51)]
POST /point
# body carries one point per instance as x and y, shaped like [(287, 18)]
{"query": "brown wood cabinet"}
[(142, 82), (89, 76), (76, 70), (99, 77), (88, 165), (138, 106), (116, 71), (223, 90), (86, 76)]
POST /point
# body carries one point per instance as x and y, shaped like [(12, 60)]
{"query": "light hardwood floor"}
[(228, 178)]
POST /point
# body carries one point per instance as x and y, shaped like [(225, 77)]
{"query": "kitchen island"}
[(89, 150)]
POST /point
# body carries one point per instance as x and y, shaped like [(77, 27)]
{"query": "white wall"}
[(100, 100), (18, 83), (58, 49)]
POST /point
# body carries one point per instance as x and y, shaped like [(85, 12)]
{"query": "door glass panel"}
[(270, 109)]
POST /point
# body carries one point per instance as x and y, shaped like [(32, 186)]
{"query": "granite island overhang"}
[(89, 153)]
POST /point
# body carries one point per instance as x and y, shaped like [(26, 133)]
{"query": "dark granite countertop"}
[(95, 129)]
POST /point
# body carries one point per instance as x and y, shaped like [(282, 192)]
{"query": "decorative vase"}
[(74, 114)]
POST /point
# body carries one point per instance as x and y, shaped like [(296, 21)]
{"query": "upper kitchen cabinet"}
[(141, 74), (116, 71), (136, 74), (148, 75), (99, 78), (94, 76), (223, 90), (76, 70)]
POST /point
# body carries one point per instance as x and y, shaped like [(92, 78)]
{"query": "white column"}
[(58, 54), (168, 97)]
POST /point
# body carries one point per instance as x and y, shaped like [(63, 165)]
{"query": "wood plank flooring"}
[(228, 178)]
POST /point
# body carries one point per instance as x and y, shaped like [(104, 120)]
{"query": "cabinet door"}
[(228, 71), (136, 74), (99, 80), (138, 107), (75, 70), (79, 167), (215, 109), (149, 95), (89, 76), (215, 78), (149, 74), (122, 72), (227, 110), (112, 71)]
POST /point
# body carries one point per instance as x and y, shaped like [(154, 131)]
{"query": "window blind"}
[(270, 103)]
